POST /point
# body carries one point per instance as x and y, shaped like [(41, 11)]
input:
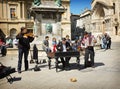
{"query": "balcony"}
[(15, 20)]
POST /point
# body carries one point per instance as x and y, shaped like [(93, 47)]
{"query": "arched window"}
[(13, 33), (114, 7)]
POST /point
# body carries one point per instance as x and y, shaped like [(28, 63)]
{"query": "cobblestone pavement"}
[(105, 75)]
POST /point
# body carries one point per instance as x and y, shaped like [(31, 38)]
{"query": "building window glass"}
[(12, 12), (114, 7)]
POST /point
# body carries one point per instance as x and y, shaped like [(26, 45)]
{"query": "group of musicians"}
[(65, 45)]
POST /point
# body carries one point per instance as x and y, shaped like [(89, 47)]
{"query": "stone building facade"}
[(66, 23), (85, 20), (16, 13), (105, 16), (74, 19)]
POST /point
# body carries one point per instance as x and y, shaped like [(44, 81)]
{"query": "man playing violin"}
[(23, 47)]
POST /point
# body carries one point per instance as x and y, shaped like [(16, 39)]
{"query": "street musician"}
[(23, 47)]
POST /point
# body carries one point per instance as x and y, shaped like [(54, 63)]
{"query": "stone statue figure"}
[(35, 29), (48, 27), (58, 2), (37, 2)]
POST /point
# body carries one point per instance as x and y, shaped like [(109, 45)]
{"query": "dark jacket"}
[(60, 46), (24, 43)]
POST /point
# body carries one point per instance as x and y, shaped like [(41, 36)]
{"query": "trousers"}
[(89, 53), (20, 55)]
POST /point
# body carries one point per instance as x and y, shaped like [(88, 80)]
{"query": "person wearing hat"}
[(64, 46), (23, 48)]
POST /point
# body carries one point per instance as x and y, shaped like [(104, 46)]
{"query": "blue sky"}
[(77, 6)]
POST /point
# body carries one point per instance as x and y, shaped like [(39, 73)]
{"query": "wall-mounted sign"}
[(29, 25)]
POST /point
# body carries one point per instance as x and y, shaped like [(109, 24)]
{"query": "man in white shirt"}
[(64, 46), (89, 42)]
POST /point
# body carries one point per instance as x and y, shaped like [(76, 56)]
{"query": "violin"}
[(30, 35)]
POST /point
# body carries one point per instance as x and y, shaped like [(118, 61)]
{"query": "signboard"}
[(29, 25)]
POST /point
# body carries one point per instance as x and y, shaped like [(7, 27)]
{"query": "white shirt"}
[(64, 48)]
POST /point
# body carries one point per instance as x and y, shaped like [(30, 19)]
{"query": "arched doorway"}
[(100, 14), (2, 35), (116, 24), (13, 33)]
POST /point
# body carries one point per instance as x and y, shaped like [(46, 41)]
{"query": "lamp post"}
[(103, 27)]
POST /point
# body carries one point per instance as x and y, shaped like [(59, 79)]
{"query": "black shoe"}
[(19, 71), (67, 68), (93, 66), (85, 66), (26, 69), (63, 68)]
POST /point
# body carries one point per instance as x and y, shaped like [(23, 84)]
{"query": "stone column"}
[(58, 24), (103, 27), (37, 25), (23, 10)]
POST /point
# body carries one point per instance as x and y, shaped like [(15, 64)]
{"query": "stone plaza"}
[(53, 18), (105, 75)]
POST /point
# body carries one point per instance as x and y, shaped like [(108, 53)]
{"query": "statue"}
[(37, 2), (48, 28), (35, 28), (58, 2)]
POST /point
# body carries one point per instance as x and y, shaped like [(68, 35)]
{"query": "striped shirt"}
[(89, 41)]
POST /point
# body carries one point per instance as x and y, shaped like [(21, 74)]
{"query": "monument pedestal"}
[(47, 17)]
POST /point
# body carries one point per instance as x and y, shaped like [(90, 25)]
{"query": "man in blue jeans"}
[(23, 48)]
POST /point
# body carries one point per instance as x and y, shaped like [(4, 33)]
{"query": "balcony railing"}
[(15, 20)]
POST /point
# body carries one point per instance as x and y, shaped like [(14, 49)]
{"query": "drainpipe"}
[(7, 16), (2, 9)]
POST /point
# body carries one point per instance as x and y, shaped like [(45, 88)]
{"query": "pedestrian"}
[(89, 42), (54, 44), (35, 53), (109, 43), (45, 44), (68, 39), (23, 48), (3, 48), (75, 45), (104, 39)]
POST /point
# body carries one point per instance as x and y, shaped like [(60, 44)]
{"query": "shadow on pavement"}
[(16, 79), (74, 66), (37, 67), (99, 64)]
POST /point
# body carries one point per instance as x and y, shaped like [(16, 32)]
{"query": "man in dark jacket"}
[(23, 48), (64, 46)]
